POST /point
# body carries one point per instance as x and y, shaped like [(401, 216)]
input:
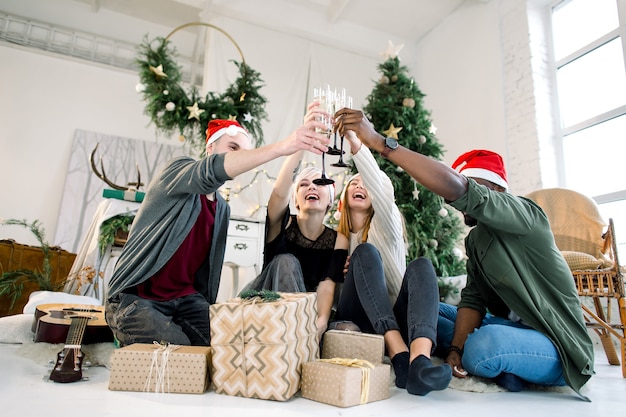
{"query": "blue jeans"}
[(501, 345), (182, 321), (365, 302)]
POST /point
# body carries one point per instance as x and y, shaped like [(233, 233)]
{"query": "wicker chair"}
[(589, 247)]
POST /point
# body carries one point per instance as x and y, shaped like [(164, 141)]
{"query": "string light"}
[(254, 180)]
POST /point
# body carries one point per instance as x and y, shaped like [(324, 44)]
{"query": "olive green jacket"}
[(514, 264)]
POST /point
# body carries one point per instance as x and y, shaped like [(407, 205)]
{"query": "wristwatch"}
[(390, 145)]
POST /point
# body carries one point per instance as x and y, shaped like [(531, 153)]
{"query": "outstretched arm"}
[(302, 139), (432, 174), (314, 142)]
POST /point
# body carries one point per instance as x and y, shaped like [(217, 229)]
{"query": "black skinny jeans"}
[(365, 302)]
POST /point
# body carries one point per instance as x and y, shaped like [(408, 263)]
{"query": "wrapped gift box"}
[(344, 385), (259, 347), (346, 344), (157, 368)]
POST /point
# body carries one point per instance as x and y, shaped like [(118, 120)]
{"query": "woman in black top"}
[(301, 253)]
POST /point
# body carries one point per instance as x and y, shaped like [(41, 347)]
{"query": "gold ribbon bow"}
[(365, 372)]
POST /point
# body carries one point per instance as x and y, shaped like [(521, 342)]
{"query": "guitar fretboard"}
[(77, 331)]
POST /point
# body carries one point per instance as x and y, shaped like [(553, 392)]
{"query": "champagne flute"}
[(347, 102), (338, 102), (323, 96)]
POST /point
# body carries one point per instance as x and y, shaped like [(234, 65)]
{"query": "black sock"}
[(400, 364), (425, 377)]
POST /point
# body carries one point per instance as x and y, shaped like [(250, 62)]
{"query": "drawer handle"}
[(243, 227), (240, 246)]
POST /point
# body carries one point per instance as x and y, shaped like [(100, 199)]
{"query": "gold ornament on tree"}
[(408, 102), (393, 131)]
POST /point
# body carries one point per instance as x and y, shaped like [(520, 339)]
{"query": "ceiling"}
[(344, 23)]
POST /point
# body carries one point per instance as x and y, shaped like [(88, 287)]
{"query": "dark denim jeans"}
[(365, 302), (182, 321)]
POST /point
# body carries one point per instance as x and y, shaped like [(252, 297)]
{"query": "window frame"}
[(563, 132)]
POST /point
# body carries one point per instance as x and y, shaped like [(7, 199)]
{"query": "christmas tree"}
[(434, 230)]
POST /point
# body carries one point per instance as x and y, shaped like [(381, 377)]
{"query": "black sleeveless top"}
[(318, 258)]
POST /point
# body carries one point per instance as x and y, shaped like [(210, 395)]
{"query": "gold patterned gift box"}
[(159, 368), (345, 382), (259, 347), (346, 344)]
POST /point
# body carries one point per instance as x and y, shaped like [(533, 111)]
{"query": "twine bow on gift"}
[(160, 371), (365, 372)]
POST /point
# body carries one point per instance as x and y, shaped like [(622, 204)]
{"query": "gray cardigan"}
[(167, 214)]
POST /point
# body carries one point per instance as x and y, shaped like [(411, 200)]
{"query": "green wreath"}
[(172, 109)]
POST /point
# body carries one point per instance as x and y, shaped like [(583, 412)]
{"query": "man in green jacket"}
[(519, 319)]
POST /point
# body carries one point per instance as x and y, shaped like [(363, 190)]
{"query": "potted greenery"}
[(12, 282), (114, 231)]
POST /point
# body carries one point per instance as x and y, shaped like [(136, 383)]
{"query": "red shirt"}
[(177, 276)]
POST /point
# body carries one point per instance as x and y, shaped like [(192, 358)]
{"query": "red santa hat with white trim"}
[(481, 163), (218, 127)]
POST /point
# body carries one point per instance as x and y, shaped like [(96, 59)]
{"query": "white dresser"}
[(243, 259)]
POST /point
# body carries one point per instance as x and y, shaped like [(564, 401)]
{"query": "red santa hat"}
[(218, 127), (483, 164)]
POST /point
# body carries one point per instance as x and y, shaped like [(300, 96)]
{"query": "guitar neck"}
[(77, 331), (68, 367)]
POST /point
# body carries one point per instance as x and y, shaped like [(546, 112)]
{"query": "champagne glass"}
[(347, 102), (337, 103), (324, 97)]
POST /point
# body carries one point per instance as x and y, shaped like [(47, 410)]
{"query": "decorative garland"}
[(263, 295), (171, 108)]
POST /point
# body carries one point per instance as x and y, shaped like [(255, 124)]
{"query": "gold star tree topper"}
[(393, 131), (392, 50)]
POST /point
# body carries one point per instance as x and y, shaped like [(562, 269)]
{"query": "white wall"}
[(44, 100), (459, 68)]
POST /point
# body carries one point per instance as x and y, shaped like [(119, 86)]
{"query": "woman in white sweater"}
[(377, 278)]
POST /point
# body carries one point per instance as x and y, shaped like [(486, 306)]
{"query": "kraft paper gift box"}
[(158, 368), (259, 347), (346, 344), (345, 382)]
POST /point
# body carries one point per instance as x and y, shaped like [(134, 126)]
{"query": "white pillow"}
[(55, 297), (16, 328)]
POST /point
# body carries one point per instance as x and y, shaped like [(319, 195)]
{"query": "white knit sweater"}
[(386, 232)]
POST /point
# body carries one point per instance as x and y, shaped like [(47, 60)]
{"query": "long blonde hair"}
[(345, 224)]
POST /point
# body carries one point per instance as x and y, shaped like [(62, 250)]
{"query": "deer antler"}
[(102, 175)]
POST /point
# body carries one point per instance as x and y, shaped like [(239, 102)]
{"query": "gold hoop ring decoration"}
[(171, 108), (186, 25)]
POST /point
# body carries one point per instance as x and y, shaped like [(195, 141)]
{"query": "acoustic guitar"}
[(75, 324)]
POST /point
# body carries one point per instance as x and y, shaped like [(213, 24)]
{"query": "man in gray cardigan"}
[(169, 270)]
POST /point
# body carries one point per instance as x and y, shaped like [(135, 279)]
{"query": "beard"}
[(469, 220)]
